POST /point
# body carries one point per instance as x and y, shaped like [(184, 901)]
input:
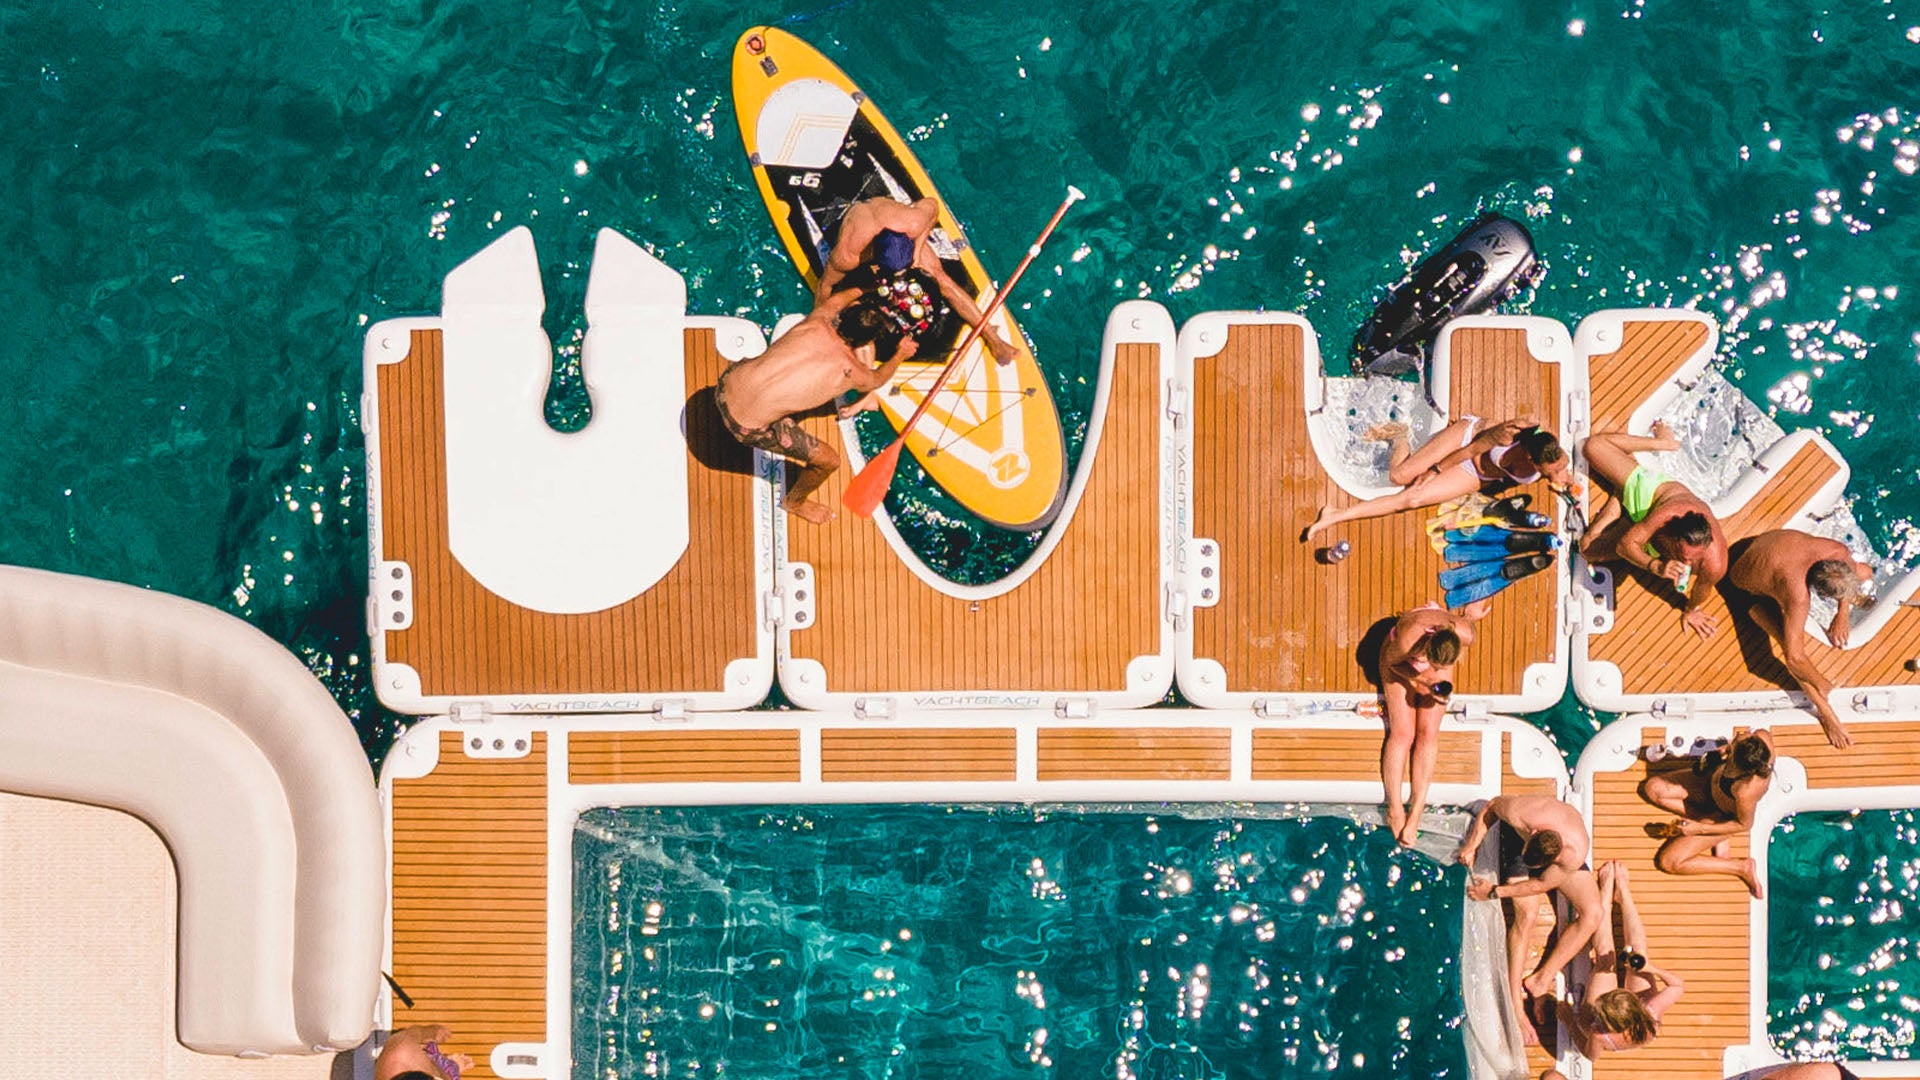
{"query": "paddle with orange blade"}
[(869, 486)]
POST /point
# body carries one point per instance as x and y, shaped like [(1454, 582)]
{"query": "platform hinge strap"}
[(1177, 607), (1179, 403), (1073, 708)]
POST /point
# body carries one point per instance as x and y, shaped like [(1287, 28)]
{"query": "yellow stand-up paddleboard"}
[(991, 438)]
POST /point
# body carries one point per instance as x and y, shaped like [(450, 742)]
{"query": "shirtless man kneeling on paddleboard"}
[(833, 350), (1553, 844), (1772, 576), (1654, 522), (891, 236)]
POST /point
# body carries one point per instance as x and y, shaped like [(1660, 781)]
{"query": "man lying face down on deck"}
[(1544, 848), (883, 238), (1459, 460), (833, 350), (1773, 577), (1654, 522)]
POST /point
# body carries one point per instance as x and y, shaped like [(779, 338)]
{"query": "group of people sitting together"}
[(1651, 522), (1659, 526), (1545, 847), (881, 297)]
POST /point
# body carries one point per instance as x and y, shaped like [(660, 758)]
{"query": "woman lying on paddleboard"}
[(1458, 461)]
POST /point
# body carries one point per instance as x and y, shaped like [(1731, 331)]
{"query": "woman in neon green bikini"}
[(1654, 522)]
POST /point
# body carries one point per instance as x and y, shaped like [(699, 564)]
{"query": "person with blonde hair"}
[(1626, 994)]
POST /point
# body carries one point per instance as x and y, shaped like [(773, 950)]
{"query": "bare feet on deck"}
[(1750, 873), (1408, 833), (818, 513), (1319, 525), (1536, 987)]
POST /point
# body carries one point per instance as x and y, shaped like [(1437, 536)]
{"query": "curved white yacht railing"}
[(222, 741)]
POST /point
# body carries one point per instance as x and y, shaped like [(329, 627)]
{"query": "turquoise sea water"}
[(934, 942), (204, 203), (1844, 961)]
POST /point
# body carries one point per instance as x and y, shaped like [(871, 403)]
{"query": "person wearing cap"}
[(883, 237)]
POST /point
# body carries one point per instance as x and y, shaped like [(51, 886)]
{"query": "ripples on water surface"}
[(870, 941), (1844, 922), (206, 203)]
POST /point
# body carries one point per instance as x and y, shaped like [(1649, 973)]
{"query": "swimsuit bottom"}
[(784, 437), (1636, 495)]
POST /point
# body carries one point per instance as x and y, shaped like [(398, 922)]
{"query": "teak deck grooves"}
[(1697, 926), (470, 898), (1279, 624), (1654, 652), (679, 635), (879, 629)]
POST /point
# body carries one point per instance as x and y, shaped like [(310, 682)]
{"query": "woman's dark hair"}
[(1541, 851), (413, 1074), (1442, 646), (1751, 756), (1541, 446)]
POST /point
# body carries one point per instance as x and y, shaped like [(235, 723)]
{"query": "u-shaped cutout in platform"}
[(578, 522)]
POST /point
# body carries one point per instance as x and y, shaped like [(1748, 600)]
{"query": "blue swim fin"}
[(1490, 542), (1477, 581)]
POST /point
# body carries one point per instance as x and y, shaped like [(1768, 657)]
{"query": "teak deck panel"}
[(1884, 754), (470, 898), (1073, 626), (683, 757), (1697, 927), (1092, 753), (1651, 351), (1341, 754), (945, 754), (1654, 652), (679, 635), (1287, 623)]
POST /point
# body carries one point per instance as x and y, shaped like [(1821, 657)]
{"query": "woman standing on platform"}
[(1416, 682)]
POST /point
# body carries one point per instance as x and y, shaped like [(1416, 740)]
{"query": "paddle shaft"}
[(1000, 298)]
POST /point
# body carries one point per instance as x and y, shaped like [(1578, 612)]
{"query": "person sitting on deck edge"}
[(1654, 522), (1771, 579), (1416, 682), (415, 1052), (882, 236), (1567, 874), (1457, 461), (831, 351)]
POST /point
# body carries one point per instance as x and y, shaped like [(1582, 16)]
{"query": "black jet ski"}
[(1487, 263)]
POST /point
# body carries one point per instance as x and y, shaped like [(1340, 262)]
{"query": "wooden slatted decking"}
[(1073, 626), (918, 755), (1353, 754), (470, 899), (1696, 927), (1884, 754), (1286, 623), (678, 636), (1654, 652), (1174, 753), (683, 757)]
